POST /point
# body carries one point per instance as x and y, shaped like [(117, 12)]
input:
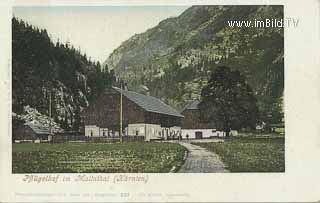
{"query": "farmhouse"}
[(142, 115), (194, 126)]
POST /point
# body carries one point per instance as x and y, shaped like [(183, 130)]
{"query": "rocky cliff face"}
[(175, 58)]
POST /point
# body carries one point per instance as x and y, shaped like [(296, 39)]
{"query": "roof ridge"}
[(139, 94), (190, 104), (173, 112)]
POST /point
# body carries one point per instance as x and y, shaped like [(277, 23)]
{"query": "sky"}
[(97, 31)]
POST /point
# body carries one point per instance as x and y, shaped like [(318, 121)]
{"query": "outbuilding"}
[(194, 126), (30, 132)]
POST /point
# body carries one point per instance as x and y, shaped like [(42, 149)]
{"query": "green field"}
[(250, 154), (133, 157)]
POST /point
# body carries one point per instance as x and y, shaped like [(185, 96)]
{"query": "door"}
[(198, 135)]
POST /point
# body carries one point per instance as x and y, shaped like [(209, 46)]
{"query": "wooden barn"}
[(194, 126), (142, 115)]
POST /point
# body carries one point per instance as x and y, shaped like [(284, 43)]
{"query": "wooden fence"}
[(133, 138), (75, 138)]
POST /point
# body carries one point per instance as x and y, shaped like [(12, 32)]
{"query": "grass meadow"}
[(250, 154), (128, 157)]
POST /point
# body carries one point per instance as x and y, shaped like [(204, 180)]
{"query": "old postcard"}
[(138, 101)]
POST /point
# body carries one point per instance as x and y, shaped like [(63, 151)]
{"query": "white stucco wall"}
[(150, 131), (206, 133), (105, 132), (153, 132), (234, 132), (165, 132), (176, 130), (136, 129), (91, 129)]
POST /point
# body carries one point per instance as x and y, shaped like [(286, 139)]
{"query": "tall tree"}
[(228, 100)]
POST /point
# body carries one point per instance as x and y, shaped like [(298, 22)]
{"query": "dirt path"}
[(200, 160)]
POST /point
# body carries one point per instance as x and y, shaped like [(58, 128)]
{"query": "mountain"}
[(175, 58), (41, 68)]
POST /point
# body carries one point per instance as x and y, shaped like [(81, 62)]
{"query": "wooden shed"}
[(30, 132), (194, 126)]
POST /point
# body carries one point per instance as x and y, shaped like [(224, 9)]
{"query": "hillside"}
[(175, 58), (40, 66)]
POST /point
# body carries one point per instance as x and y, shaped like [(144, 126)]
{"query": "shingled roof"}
[(149, 103), (193, 105), (38, 129)]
